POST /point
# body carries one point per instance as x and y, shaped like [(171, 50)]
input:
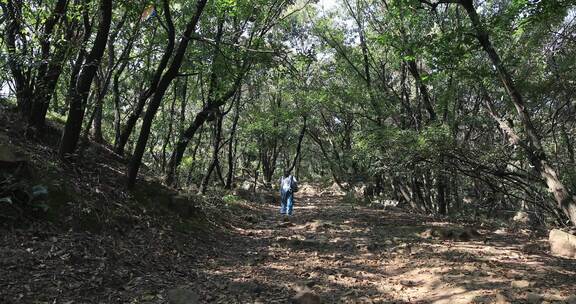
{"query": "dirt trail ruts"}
[(353, 254)]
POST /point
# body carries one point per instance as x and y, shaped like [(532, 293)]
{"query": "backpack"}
[(293, 184)]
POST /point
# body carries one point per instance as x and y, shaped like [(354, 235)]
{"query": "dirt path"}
[(343, 253), (350, 254)]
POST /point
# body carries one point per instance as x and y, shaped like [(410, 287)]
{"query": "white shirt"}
[(286, 183)]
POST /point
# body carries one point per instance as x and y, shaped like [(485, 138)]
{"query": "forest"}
[(142, 146)]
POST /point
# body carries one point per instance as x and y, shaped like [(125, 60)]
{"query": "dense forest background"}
[(452, 107)]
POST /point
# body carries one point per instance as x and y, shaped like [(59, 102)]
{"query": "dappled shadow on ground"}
[(344, 253), (352, 254), (78, 267)]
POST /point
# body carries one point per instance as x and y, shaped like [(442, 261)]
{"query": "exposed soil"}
[(351, 254), (344, 253)]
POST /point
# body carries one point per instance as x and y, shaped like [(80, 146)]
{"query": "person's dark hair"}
[(286, 173)]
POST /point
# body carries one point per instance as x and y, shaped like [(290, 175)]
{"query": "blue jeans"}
[(287, 202)]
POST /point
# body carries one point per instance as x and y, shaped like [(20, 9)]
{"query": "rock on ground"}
[(562, 244), (520, 284), (9, 158), (534, 298)]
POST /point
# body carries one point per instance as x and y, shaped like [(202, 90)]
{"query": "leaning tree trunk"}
[(102, 91), (167, 78), (299, 146), (215, 151), (73, 125), (199, 119), (533, 147), (122, 139), (124, 59), (413, 68), (77, 66), (50, 66)]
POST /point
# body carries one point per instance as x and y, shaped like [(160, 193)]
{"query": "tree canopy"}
[(455, 107)]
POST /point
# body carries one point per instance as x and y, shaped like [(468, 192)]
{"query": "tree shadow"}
[(361, 255)]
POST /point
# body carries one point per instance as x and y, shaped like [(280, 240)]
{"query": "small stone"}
[(520, 284), (410, 283), (501, 299), (310, 283), (534, 298), (182, 296), (571, 300), (513, 274)]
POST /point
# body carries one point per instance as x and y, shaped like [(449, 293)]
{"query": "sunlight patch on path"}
[(354, 254)]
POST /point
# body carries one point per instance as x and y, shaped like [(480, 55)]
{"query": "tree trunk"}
[(209, 109), (299, 146), (408, 118), (167, 78), (97, 122), (77, 66), (441, 199), (103, 88), (185, 137), (569, 145), (120, 144), (170, 127), (194, 153), (117, 107), (183, 105), (413, 68), (269, 156), (533, 147), (215, 151), (73, 125), (50, 66), (231, 143)]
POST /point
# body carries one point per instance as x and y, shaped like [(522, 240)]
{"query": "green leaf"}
[(409, 57)]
